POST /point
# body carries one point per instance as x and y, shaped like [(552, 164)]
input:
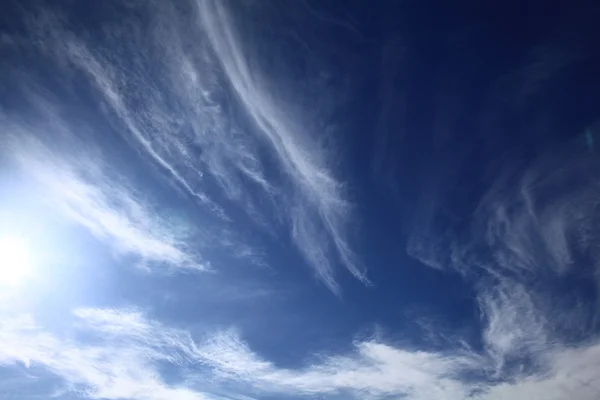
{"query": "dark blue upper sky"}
[(285, 200)]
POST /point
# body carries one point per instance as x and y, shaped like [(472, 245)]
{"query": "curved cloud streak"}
[(183, 90), (124, 350), (539, 238), (176, 91), (81, 189), (319, 195)]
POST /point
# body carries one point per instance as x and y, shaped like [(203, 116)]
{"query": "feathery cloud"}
[(123, 350), (104, 370), (79, 187), (536, 224), (176, 92)]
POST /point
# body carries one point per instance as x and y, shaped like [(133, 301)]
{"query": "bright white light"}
[(15, 260)]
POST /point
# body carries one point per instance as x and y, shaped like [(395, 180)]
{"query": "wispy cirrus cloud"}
[(570, 372), (515, 327), (537, 242), (123, 368), (319, 210), (373, 369), (187, 93), (80, 188), (522, 357), (121, 357), (531, 356), (124, 353)]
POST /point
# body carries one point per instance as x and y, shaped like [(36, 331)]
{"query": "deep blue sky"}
[(286, 200)]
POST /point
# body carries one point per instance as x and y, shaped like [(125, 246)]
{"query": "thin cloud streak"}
[(168, 91), (78, 187), (114, 370), (536, 332), (319, 195), (122, 362), (124, 348), (172, 90), (515, 327), (373, 368)]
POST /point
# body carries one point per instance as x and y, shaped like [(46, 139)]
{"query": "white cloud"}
[(168, 91), (122, 350), (372, 369), (79, 187), (153, 130), (319, 195), (528, 249), (518, 363), (570, 372), (529, 222), (119, 360), (515, 327), (104, 370)]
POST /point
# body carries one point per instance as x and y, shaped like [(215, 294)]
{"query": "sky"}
[(259, 199)]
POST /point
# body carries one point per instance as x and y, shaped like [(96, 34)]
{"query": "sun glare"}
[(15, 260)]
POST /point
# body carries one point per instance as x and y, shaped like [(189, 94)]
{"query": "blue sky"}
[(210, 200)]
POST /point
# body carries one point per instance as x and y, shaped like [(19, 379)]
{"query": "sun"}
[(15, 260)]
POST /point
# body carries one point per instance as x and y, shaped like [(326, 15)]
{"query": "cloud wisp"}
[(124, 353), (319, 195), (521, 358), (535, 269), (80, 188), (123, 368), (177, 90), (182, 89)]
